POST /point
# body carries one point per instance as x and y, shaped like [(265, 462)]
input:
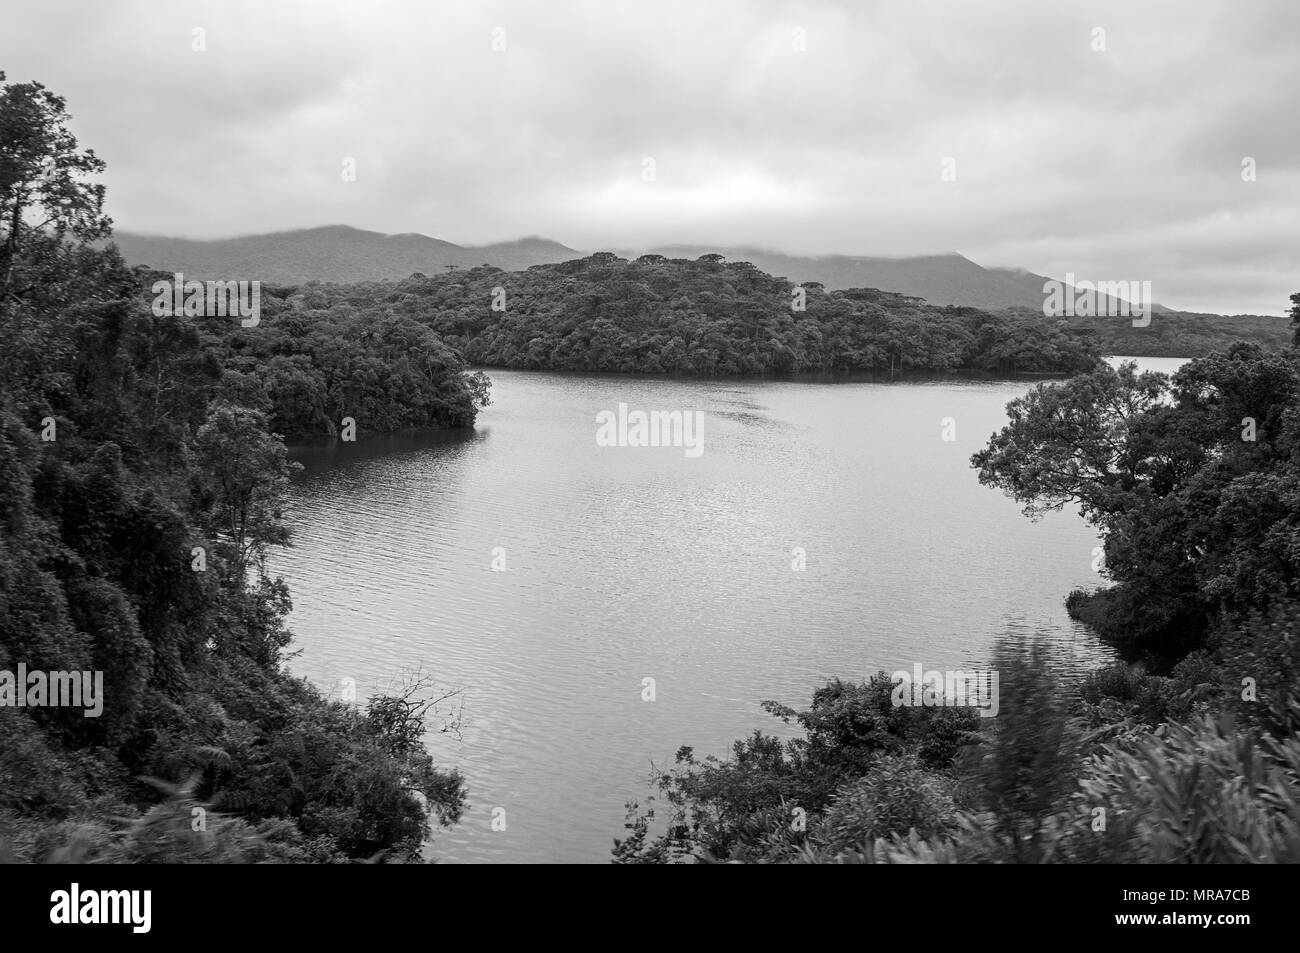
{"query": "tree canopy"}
[(705, 317), (141, 483)]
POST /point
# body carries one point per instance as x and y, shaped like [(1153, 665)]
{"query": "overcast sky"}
[(1120, 164)]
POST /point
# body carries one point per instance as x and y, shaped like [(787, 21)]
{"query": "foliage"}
[(1043, 784), (1026, 762), (1192, 480), (1260, 673), (42, 174), (310, 363), (1203, 793), (122, 455), (1183, 334), (705, 317), (720, 808), (897, 796)]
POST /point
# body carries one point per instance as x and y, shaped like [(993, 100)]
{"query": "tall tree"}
[(243, 476), (42, 172)]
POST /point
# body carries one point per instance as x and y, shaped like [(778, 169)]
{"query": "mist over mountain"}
[(330, 253), (940, 279), (341, 253)]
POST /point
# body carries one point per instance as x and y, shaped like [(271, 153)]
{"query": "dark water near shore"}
[(628, 563)]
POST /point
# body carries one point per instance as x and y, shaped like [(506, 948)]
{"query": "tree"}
[(1077, 441), (1192, 481), (125, 545), (243, 476), (41, 172)]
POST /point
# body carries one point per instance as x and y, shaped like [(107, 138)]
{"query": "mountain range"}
[(331, 253), (341, 253)]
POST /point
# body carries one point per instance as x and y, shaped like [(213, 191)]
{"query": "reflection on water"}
[(628, 563)]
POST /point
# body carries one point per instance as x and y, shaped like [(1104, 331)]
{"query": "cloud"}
[(1117, 163)]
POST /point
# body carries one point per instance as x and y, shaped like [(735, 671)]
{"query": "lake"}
[(627, 563)]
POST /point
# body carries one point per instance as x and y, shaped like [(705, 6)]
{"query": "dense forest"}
[(142, 479), (702, 317), (1182, 333), (143, 476), (1192, 756), (311, 362), (394, 355), (653, 315)]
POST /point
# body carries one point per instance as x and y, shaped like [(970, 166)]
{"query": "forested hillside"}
[(1180, 333), (144, 474), (713, 318), (309, 363), (141, 485), (705, 317)]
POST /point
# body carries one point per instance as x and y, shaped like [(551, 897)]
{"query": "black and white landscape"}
[(650, 433)]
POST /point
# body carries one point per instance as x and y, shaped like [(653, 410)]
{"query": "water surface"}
[(633, 563)]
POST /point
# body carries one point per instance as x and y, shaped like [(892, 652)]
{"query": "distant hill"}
[(340, 253), (331, 253), (343, 254), (939, 279)]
